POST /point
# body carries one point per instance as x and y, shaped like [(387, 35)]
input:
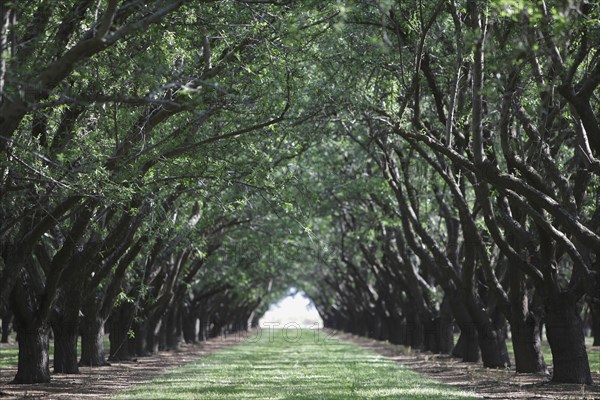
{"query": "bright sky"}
[(294, 308)]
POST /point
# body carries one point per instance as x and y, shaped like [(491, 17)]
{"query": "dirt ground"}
[(102, 382), (490, 384)]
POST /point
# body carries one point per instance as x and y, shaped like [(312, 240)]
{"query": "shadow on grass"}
[(302, 370)]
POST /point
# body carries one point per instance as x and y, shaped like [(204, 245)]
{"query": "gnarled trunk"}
[(564, 331)]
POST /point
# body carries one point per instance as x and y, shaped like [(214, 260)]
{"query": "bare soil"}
[(490, 384), (102, 382)]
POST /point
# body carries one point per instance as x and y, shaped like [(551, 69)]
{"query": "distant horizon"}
[(296, 307)]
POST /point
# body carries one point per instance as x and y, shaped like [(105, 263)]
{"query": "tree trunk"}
[(467, 346), (6, 320), (439, 337), (414, 331), (120, 326), (446, 328), (179, 326), (140, 341), (152, 333), (92, 342), (564, 331), (396, 330), (430, 336), (402, 333), (527, 345), (33, 364), (189, 327), (172, 331), (492, 343), (204, 327), (65, 326), (385, 328), (65, 347), (525, 327), (161, 335), (375, 327)]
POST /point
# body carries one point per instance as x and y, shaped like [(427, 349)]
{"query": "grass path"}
[(274, 367)]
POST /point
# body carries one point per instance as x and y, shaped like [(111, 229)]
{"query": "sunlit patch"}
[(296, 309)]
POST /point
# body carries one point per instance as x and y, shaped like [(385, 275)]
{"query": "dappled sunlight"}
[(310, 367)]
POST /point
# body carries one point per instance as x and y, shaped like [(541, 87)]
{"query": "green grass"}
[(306, 369), (9, 354), (593, 356)]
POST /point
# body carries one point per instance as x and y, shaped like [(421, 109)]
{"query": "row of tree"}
[(137, 148), (474, 135), (169, 167)]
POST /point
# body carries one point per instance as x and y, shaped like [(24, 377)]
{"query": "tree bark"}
[(439, 337), (430, 334), (6, 322), (467, 345), (65, 347), (65, 325), (172, 328), (189, 321), (564, 331), (527, 345), (33, 366), (385, 328), (121, 321), (492, 343), (415, 331), (161, 334), (92, 341), (152, 333), (396, 330), (525, 328), (204, 327), (140, 342), (446, 328)]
